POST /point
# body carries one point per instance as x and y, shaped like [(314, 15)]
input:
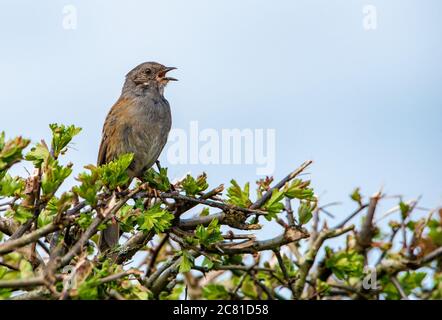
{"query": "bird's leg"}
[(158, 165)]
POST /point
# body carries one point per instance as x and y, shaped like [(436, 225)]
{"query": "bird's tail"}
[(110, 236)]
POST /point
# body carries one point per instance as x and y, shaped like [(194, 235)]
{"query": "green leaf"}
[(435, 232), (207, 263), (45, 218), (437, 287), (408, 280), (345, 264), (299, 189), (248, 288), (232, 259), (155, 218), (289, 266), (156, 180), (405, 209), (305, 211), (127, 217), (88, 290), (90, 185), (54, 207), (91, 288), (5, 293), (322, 287), (114, 174), (85, 220), (53, 176), (209, 235), (11, 187), (238, 196), (356, 196), (215, 292), (186, 262), (25, 268), (412, 280), (11, 151), (274, 205), (38, 154), (194, 186), (205, 212), (61, 136), (19, 214), (174, 295)]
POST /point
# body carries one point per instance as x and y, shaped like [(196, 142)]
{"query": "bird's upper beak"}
[(166, 70)]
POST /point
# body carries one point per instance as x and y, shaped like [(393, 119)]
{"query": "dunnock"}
[(138, 123)]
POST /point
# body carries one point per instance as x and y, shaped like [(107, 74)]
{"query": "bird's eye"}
[(148, 71)]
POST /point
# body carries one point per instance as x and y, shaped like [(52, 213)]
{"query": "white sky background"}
[(366, 106)]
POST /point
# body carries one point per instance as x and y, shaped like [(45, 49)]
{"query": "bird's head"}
[(149, 75)]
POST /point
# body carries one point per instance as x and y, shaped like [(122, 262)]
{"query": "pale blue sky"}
[(366, 106)]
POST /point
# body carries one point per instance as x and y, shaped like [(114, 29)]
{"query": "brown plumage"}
[(138, 123)]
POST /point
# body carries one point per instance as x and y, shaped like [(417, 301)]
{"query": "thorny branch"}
[(193, 236)]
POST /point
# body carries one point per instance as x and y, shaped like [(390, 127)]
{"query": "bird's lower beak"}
[(166, 70)]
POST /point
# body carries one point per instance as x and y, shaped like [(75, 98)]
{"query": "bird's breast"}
[(146, 134)]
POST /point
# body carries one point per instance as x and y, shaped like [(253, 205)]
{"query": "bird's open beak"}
[(166, 70)]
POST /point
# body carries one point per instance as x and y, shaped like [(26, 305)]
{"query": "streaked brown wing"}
[(110, 136)]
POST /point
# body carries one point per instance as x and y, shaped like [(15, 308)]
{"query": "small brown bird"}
[(138, 123)]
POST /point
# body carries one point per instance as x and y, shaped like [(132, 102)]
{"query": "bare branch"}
[(22, 283), (310, 256), (259, 203), (399, 288)]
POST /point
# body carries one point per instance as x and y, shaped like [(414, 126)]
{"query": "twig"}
[(11, 245), (367, 231), (310, 256), (114, 294), (350, 289), (289, 236), (119, 275), (289, 280), (161, 282), (432, 256), (189, 205), (22, 283), (343, 223), (150, 280), (398, 287), (204, 220), (92, 229), (260, 202), (131, 246), (10, 266), (155, 253), (289, 210), (211, 203), (268, 291)]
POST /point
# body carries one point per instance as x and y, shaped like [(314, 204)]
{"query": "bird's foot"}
[(152, 192)]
